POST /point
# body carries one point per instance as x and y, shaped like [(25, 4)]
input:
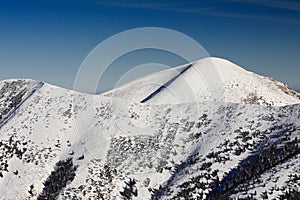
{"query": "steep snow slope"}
[(144, 151), (13, 93), (206, 80)]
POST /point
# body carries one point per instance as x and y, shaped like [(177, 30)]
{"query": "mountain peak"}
[(208, 79)]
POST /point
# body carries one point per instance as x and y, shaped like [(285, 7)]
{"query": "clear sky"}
[(48, 39)]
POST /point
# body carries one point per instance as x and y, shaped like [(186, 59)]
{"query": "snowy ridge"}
[(63, 144), (203, 81)]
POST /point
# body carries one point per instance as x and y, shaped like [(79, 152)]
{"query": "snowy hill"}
[(207, 80), (60, 144)]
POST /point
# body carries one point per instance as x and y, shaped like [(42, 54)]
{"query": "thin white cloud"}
[(211, 8), (286, 5)]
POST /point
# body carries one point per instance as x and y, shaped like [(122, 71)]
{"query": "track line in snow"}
[(166, 84)]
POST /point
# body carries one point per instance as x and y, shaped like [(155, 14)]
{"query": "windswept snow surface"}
[(208, 79), (124, 149)]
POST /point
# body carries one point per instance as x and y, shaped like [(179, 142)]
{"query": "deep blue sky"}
[(47, 40)]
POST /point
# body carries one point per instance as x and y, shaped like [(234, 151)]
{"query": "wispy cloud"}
[(285, 5), (213, 8), (185, 6)]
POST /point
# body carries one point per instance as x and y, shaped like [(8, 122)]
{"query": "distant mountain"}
[(136, 142)]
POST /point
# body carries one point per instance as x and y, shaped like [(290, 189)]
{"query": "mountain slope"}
[(13, 93), (206, 80)]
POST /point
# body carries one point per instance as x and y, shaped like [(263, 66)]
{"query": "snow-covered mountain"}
[(206, 80), (61, 144)]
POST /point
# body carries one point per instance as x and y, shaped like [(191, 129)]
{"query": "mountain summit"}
[(206, 80)]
